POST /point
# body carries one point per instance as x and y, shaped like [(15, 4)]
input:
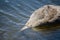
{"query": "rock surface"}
[(46, 17)]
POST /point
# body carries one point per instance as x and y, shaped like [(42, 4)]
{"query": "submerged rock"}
[(44, 18)]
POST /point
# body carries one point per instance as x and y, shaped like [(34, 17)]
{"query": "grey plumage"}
[(45, 15)]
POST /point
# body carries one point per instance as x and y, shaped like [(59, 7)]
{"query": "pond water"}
[(15, 13)]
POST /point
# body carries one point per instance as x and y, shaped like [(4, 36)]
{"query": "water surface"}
[(15, 13)]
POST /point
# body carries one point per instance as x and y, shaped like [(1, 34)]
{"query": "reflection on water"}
[(13, 16)]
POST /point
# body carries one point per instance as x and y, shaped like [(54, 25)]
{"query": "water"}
[(15, 13)]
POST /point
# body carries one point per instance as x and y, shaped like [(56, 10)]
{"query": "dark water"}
[(15, 13)]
